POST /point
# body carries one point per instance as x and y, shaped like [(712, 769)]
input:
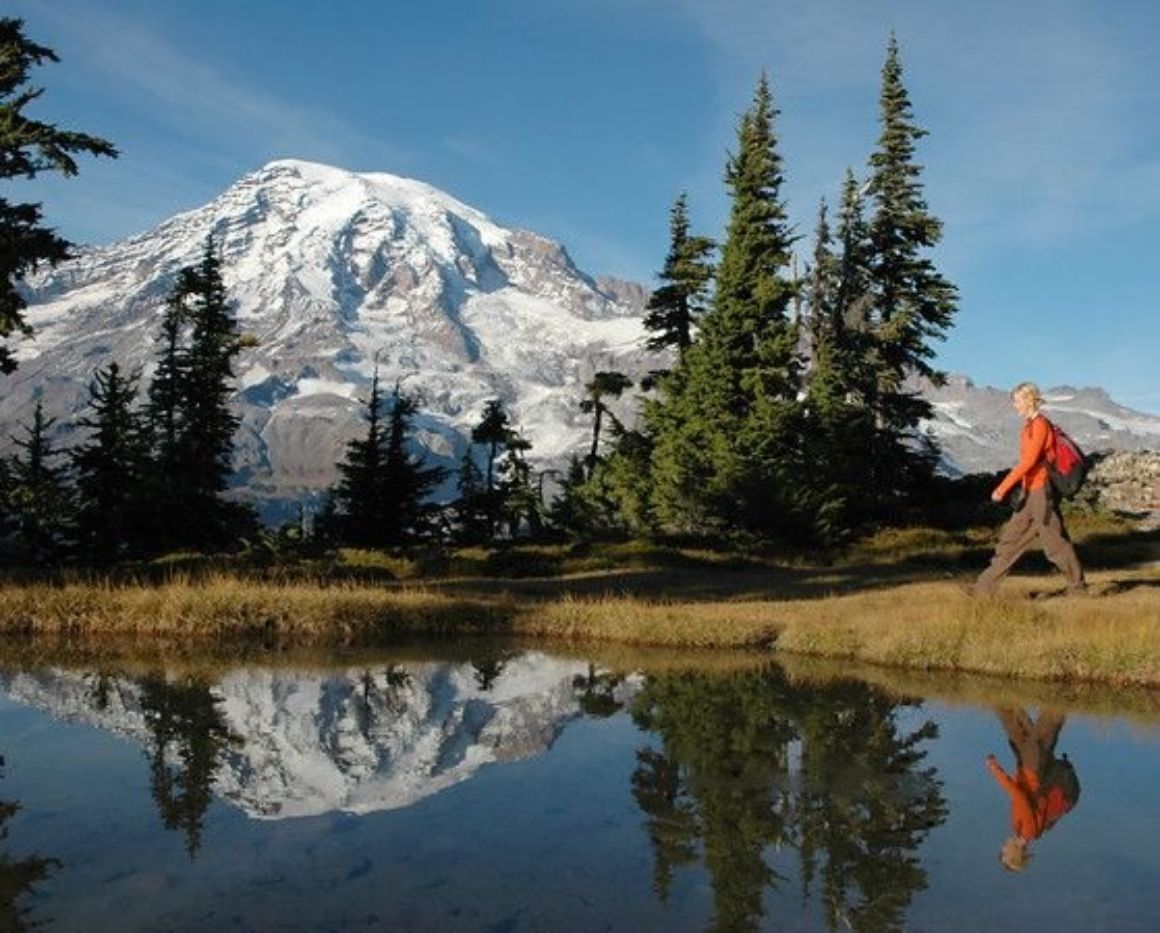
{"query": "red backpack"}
[(1067, 464)]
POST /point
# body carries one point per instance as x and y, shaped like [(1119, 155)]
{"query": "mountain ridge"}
[(336, 273)]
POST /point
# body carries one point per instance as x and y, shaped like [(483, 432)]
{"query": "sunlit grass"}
[(889, 600)]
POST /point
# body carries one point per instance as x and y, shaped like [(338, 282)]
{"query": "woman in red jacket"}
[(1042, 787), (1038, 514)]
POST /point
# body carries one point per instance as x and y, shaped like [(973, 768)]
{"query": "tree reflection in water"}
[(18, 876), (722, 787), (189, 738), (596, 692)]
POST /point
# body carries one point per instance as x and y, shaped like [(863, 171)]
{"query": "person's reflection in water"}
[(1043, 787)]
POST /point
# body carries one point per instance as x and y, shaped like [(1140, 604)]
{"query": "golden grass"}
[(886, 601), (228, 607), (1112, 638)]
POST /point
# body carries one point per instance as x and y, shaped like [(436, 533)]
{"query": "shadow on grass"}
[(1104, 551)]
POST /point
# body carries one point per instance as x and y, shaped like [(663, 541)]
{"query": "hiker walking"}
[(1043, 787), (1037, 512)]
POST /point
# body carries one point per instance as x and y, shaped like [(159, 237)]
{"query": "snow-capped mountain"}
[(332, 271), (303, 744), (978, 430)]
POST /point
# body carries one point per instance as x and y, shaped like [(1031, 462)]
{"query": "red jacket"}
[(1035, 446), (1032, 812)]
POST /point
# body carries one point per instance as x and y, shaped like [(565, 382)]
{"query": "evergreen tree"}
[(493, 431), (599, 387), (675, 305), (406, 483), (189, 740), (39, 497), (110, 466), (358, 498), (913, 304), (825, 326), (726, 425), (622, 479), (518, 498), (27, 148), (857, 356), (209, 424), (6, 506), (571, 511), (751, 329), (164, 413), (381, 495), (469, 511), (191, 424)]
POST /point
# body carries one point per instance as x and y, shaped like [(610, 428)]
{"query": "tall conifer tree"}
[(190, 421), (469, 511), (493, 431), (838, 425), (209, 423), (913, 304), (825, 325), (381, 496), (406, 482), (599, 387), (854, 298), (679, 301), (358, 496), (38, 494), (27, 148), (110, 467), (725, 424)]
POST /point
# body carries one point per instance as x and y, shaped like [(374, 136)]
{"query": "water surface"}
[(518, 790)]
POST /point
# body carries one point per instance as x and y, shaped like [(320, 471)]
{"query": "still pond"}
[(514, 790)]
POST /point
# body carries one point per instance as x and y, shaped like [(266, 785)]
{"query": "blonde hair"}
[(1030, 391), (1015, 856)]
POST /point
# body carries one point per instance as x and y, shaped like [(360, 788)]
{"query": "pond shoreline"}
[(1111, 637)]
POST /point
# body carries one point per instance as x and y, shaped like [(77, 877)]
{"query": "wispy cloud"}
[(217, 105), (1035, 108)]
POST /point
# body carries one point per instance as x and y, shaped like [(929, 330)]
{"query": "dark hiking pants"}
[(1038, 518)]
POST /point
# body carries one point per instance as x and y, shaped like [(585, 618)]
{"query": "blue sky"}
[(583, 119)]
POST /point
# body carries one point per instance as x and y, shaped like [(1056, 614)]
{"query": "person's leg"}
[(1058, 547), (1047, 726), (1020, 734), (1015, 537)]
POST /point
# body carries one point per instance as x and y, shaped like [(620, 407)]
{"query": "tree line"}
[(789, 411), (784, 413)]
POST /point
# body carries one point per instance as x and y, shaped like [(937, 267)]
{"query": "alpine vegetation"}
[(790, 411)]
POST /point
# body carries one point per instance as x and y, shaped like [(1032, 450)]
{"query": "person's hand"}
[(991, 761)]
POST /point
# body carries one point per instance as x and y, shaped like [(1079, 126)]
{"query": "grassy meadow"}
[(892, 600)]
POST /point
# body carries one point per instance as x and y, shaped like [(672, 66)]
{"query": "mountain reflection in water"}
[(739, 801)]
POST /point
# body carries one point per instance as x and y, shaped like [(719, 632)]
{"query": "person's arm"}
[(1023, 820), (1033, 443), (1005, 780)]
